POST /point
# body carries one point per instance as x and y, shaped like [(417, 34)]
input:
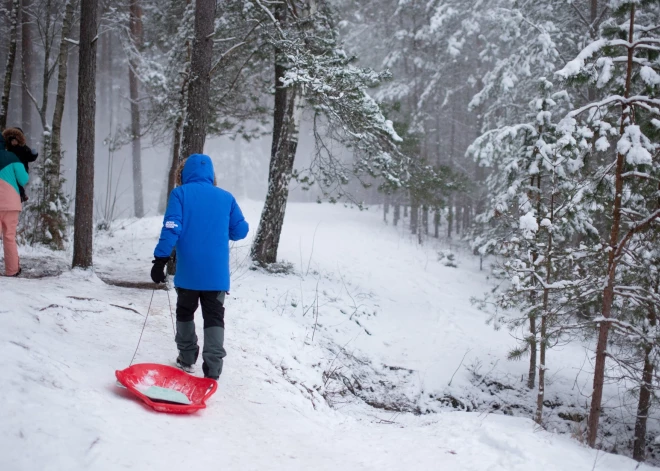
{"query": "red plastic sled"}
[(138, 378)]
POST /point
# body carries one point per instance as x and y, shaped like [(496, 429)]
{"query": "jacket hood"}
[(14, 133), (198, 168)]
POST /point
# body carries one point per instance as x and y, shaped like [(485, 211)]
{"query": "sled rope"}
[(171, 315), (143, 326)]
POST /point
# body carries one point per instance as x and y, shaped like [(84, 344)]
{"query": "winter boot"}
[(182, 366)]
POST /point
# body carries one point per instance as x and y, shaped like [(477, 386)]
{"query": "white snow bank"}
[(380, 301)]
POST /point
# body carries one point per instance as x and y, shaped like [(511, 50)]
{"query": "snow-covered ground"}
[(324, 361)]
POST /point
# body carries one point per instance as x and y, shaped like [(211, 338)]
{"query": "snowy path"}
[(62, 338)]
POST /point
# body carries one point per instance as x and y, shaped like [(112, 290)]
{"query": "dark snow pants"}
[(213, 312)]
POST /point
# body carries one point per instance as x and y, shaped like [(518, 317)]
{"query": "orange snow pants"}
[(8, 224)]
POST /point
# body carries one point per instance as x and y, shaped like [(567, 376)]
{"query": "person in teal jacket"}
[(200, 220), (12, 176)]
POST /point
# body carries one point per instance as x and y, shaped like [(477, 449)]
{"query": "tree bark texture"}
[(136, 39), (26, 68), (197, 110), (11, 59), (608, 292), (84, 214)]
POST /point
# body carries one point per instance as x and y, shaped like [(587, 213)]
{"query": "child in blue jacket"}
[(200, 221)]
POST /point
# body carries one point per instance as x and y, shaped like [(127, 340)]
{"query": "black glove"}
[(158, 270)]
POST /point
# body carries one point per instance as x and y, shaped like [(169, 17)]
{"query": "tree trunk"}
[(190, 131), (106, 83), (176, 136), (531, 378), (26, 69), (84, 215), (467, 213), (54, 220), (644, 405), (171, 178), (414, 217), (46, 75), (286, 126), (197, 110), (62, 75), (11, 58), (72, 86), (458, 215), (286, 120), (608, 292), (397, 214), (105, 87), (450, 216), (386, 207), (436, 223), (425, 219), (533, 345), (591, 91), (136, 39), (542, 348), (544, 319)]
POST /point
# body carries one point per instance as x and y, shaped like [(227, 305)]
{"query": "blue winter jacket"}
[(200, 221)]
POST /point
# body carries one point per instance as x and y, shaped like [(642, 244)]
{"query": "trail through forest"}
[(308, 351)]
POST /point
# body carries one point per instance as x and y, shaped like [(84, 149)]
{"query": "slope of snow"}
[(363, 316)]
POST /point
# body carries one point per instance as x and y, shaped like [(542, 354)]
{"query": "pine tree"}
[(621, 63)]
